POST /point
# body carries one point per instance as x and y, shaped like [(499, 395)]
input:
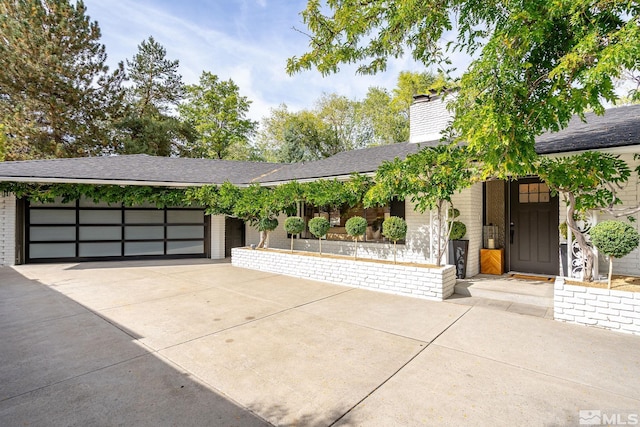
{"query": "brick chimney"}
[(428, 117)]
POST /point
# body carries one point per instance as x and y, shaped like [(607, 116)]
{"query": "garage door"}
[(84, 230)]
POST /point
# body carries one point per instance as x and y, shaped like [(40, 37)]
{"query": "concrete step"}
[(502, 288)]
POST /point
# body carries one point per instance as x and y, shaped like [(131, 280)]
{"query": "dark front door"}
[(533, 234), (234, 235)]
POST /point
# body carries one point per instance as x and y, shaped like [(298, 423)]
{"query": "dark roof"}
[(138, 168), (618, 127), (362, 161)]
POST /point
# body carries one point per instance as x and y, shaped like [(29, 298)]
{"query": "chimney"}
[(428, 117)]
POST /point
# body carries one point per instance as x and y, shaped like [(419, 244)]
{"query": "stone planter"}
[(428, 282), (600, 308)]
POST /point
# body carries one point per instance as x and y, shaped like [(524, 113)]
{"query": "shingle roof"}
[(361, 161), (138, 168), (618, 127)]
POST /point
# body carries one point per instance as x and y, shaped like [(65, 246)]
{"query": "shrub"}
[(293, 225), (615, 239), (267, 224), (318, 227), (394, 228), (356, 226), (458, 230)]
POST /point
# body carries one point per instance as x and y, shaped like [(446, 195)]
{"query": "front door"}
[(533, 234), (234, 234)]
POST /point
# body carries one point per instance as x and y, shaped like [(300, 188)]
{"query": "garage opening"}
[(87, 231)]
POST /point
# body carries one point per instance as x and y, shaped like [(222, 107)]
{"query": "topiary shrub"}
[(458, 230), (394, 228), (318, 227), (293, 225), (356, 227), (265, 226), (615, 239)]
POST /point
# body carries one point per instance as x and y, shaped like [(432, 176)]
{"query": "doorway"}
[(533, 228), (234, 232)]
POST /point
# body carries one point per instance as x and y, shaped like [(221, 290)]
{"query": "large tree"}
[(536, 63), (57, 96), (151, 125), (218, 113)]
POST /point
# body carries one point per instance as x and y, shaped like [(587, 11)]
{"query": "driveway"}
[(204, 343)]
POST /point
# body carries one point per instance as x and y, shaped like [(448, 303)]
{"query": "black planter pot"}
[(458, 250), (563, 259)]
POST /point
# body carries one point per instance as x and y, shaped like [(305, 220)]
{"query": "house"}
[(525, 213)]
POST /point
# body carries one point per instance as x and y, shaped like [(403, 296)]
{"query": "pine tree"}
[(57, 97), (150, 125)]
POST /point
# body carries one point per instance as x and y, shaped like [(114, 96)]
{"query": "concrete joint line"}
[(400, 368)]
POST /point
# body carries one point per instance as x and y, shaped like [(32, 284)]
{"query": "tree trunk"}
[(580, 239), (610, 271), (320, 243), (292, 243), (394, 251), (264, 235), (355, 253)]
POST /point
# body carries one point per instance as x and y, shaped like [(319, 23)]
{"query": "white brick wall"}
[(601, 308), (469, 203), (428, 118), (217, 236), (435, 283), (7, 230)]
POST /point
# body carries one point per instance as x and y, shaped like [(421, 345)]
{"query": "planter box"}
[(434, 283), (601, 308)]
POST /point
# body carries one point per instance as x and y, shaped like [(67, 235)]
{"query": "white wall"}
[(428, 118), (7, 230), (469, 202), (217, 236)]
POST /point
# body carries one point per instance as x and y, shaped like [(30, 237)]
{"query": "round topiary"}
[(319, 226), (356, 226), (458, 230), (267, 224), (394, 228), (614, 238), (294, 225)]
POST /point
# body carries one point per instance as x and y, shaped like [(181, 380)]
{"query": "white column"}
[(217, 236), (7, 230)]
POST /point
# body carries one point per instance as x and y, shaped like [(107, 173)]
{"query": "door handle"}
[(511, 232)]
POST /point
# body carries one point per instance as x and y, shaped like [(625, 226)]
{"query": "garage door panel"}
[(52, 234), (184, 248), (144, 217), (143, 248), (185, 232), (101, 249), (52, 216), (100, 216), (101, 233), (142, 232), (185, 217), (52, 250)]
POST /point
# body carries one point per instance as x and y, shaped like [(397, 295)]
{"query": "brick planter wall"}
[(601, 308), (423, 282)]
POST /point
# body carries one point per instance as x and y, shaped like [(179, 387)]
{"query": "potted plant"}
[(294, 225), (563, 248), (615, 239), (318, 227), (394, 228), (356, 227), (458, 247)]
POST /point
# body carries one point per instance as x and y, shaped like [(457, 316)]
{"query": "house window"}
[(338, 218), (534, 193)]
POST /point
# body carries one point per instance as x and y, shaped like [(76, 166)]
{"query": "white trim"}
[(338, 177), (107, 182)]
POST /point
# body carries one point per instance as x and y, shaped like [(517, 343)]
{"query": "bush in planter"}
[(318, 227), (615, 239), (394, 228), (356, 227), (458, 230), (293, 225)]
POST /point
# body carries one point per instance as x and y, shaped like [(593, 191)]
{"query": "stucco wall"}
[(7, 230)]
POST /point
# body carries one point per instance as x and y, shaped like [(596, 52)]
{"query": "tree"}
[(57, 96), (218, 114), (387, 124), (409, 85), (343, 118), (3, 144), (355, 227), (150, 126), (587, 181), (429, 178), (536, 63), (294, 225), (319, 226), (615, 239), (394, 228)]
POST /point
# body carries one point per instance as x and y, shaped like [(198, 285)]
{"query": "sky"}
[(248, 41)]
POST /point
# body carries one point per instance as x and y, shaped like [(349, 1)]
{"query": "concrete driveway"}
[(202, 343)]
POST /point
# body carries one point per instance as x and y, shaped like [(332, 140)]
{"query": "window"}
[(533, 193), (338, 218)]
